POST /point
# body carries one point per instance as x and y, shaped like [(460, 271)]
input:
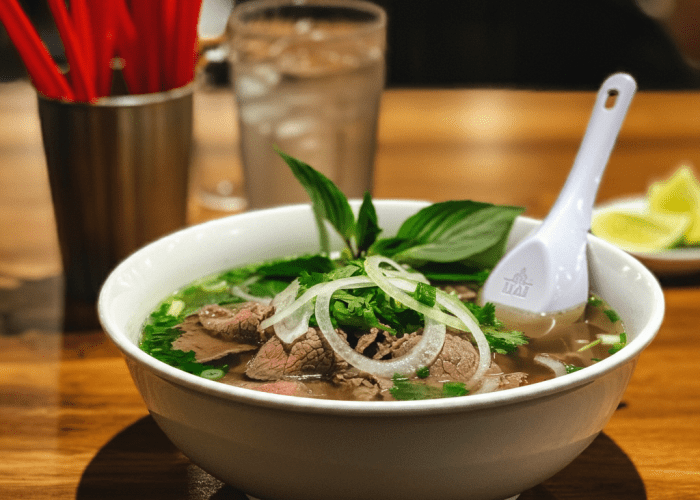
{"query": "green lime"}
[(680, 194), (640, 231)]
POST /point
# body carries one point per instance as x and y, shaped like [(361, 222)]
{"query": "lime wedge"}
[(680, 194), (640, 231)]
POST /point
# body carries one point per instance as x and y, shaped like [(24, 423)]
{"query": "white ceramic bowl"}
[(489, 446)]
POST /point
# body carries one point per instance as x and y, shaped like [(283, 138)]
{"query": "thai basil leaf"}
[(454, 271), (329, 203), (465, 231), (291, 268), (367, 228)]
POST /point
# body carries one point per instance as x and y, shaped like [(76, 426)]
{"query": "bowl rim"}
[(252, 397)]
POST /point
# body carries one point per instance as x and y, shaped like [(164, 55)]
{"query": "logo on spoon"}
[(518, 285)]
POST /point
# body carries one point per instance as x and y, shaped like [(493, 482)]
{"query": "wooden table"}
[(73, 426)]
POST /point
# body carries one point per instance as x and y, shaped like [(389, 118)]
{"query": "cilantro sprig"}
[(405, 389), (501, 340)]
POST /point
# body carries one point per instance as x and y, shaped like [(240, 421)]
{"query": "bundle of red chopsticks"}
[(155, 40)]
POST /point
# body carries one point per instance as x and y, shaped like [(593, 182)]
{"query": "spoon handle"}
[(581, 187)]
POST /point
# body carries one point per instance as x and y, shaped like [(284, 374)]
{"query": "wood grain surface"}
[(72, 425)]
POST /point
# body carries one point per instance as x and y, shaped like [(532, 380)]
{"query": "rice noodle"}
[(555, 365)]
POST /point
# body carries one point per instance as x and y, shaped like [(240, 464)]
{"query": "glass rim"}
[(378, 23)]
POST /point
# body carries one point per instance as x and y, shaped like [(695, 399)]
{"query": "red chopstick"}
[(43, 71), (149, 20), (168, 53), (126, 41), (82, 84), (187, 21), (83, 30), (103, 25), (155, 38)]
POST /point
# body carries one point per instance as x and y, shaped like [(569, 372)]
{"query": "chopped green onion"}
[(609, 339), (175, 308), (595, 301), (588, 346), (217, 286), (213, 373), (423, 372), (612, 315), (619, 345)]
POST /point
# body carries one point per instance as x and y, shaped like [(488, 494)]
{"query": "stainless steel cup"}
[(119, 173)]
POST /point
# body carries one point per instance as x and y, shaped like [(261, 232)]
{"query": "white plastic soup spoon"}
[(546, 274)]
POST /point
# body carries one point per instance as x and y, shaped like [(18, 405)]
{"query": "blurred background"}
[(535, 44)]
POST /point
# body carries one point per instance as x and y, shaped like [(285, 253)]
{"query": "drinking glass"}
[(308, 78)]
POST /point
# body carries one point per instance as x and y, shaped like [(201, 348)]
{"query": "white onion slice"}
[(422, 354), (296, 324), (399, 271), (488, 384), (553, 364), (291, 319), (396, 288), (284, 307)]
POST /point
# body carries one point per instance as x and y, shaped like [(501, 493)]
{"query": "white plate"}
[(672, 262)]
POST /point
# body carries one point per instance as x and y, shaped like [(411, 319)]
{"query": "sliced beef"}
[(363, 386), (377, 344), (206, 348), (494, 381), (283, 387), (511, 380), (457, 361), (366, 340), (310, 354), (239, 322)]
